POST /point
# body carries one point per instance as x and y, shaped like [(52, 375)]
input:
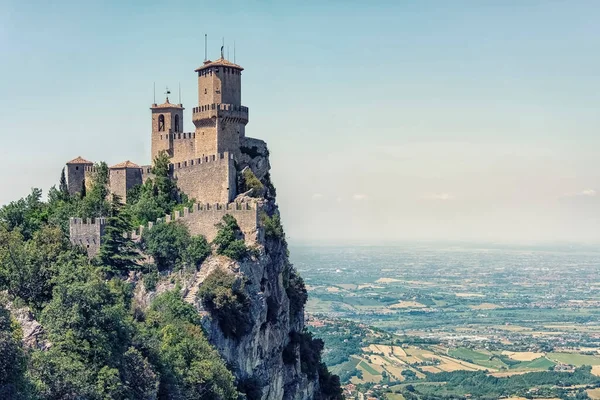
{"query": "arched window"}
[(177, 123), (161, 123)]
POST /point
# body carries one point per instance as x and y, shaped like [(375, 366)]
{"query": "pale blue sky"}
[(468, 120)]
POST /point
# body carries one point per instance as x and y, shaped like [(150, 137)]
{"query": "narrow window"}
[(161, 123), (177, 123)]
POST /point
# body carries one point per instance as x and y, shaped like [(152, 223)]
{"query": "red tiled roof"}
[(166, 104), (125, 164), (221, 62), (80, 160)]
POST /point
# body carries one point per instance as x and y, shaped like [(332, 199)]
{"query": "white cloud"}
[(317, 196), (440, 196), (359, 196), (588, 192), (584, 192)]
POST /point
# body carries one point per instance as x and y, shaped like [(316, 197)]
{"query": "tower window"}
[(177, 123), (161, 123), (204, 90)]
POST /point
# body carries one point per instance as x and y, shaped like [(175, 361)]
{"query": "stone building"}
[(203, 162)]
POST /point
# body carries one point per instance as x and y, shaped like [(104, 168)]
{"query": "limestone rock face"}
[(33, 332)]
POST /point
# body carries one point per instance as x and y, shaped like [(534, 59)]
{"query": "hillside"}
[(169, 315)]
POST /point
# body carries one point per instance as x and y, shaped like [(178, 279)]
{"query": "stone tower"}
[(76, 173), (167, 124), (220, 118)]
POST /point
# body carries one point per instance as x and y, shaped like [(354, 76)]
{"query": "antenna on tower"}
[(179, 92), (228, 52), (167, 93), (234, 51), (222, 46), (205, 42)]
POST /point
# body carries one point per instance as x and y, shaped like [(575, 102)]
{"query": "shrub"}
[(229, 240), (310, 352), (272, 226), (172, 247), (296, 292), (252, 183), (150, 280), (223, 296)]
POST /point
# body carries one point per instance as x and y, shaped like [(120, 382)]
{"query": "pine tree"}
[(117, 253), (63, 188)]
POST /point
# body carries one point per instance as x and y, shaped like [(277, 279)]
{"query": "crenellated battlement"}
[(202, 160), (87, 233), (201, 219)]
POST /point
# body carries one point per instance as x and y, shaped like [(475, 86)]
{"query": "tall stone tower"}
[(167, 124), (220, 118)]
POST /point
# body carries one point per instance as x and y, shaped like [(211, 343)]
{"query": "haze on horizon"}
[(428, 120)]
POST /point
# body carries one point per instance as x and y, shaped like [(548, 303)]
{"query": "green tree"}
[(94, 202), (229, 240), (27, 215), (13, 384), (223, 295), (27, 268), (189, 367), (172, 247), (63, 188), (117, 252)]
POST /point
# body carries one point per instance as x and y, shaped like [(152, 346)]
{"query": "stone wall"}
[(209, 179), (183, 146), (87, 233), (201, 219)]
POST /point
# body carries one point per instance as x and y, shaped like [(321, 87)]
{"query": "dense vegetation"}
[(99, 345), (98, 342), (222, 293)]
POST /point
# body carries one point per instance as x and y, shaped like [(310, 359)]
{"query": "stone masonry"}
[(203, 162)]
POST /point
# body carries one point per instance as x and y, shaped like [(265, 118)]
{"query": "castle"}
[(204, 163)]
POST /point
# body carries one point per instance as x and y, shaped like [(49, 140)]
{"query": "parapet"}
[(87, 233), (201, 219), (202, 160)]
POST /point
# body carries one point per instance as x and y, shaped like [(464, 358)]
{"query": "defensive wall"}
[(209, 179), (87, 233), (200, 219)]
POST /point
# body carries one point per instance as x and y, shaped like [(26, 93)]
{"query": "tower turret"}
[(220, 118), (167, 121)]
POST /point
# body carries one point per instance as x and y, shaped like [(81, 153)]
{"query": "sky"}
[(386, 120)]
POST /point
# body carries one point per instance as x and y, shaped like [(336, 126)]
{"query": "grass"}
[(484, 359), (368, 368), (574, 359)]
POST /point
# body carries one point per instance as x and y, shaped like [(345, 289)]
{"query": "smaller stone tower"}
[(123, 177), (167, 122), (76, 171)]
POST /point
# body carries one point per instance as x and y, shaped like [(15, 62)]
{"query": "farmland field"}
[(418, 313)]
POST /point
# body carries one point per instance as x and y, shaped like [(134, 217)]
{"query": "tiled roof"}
[(80, 160), (166, 104), (125, 164), (221, 62)]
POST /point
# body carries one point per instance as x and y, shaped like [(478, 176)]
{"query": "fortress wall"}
[(201, 219), (87, 233), (184, 146), (146, 171), (209, 179)]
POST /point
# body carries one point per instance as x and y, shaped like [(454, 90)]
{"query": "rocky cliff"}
[(266, 361)]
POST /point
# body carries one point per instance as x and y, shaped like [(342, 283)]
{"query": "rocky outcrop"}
[(256, 358), (33, 332)]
